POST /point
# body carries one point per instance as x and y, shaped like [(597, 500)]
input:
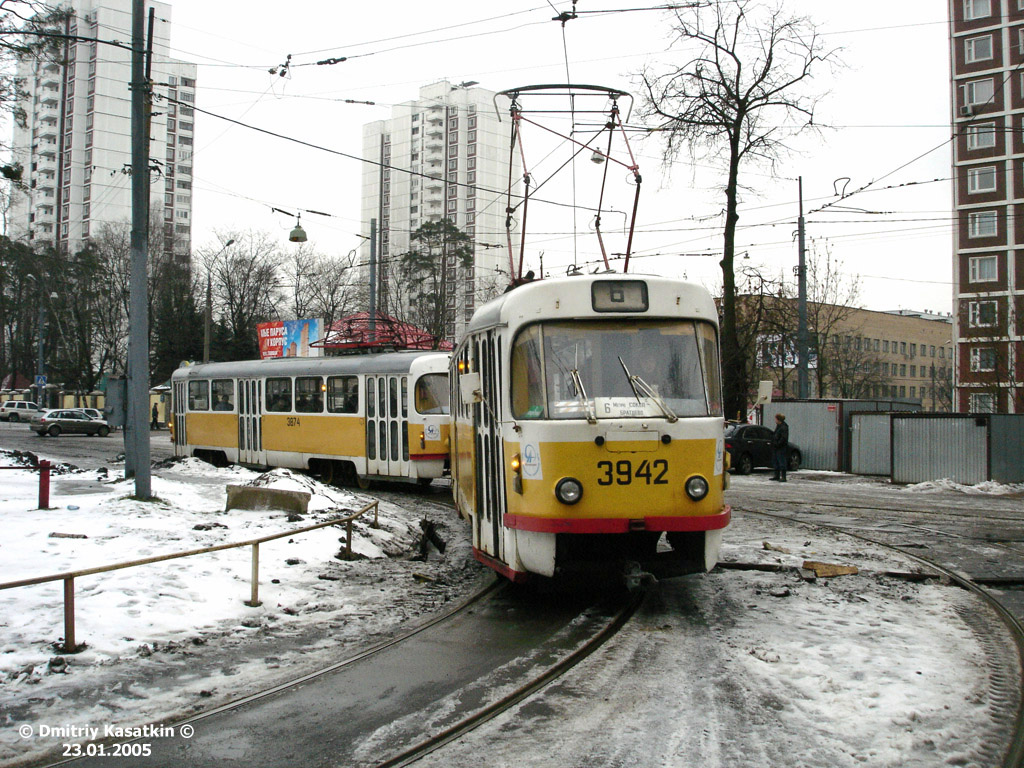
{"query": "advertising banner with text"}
[(289, 338)]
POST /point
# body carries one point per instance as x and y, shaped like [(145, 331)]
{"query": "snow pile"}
[(988, 487)]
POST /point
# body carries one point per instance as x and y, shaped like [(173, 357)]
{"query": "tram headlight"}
[(697, 487), (569, 490), (517, 474)]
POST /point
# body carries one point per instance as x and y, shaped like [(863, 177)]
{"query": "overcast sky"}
[(889, 106)]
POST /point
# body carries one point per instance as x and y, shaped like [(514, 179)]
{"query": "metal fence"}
[(70, 644)]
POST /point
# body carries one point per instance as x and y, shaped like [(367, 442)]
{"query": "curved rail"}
[(545, 676), (1014, 757)]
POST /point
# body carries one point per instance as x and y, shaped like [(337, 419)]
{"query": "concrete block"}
[(253, 497)]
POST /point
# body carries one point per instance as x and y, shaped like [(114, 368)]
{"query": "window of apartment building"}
[(170, 154), (184, 111), (979, 92), (471, 122), (182, 214), (983, 313), (453, 138), (453, 192), (977, 9), (471, 150), (982, 224), (895, 370), (903, 391), (185, 126), (885, 346), (471, 163), (185, 141), (903, 369), (191, 97), (1020, 38), (168, 214), (186, 169), (453, 205), (984, 402), (913, 371), (172, 125), (981, 179), (903, 347), (942, 352), (983, 358), (168, 199), (453, 164), (188, 82), (932, 350), (913, 391), (876, 343), (982, 269), (453, 124), (184, 184), (182, 199), (978, 48)]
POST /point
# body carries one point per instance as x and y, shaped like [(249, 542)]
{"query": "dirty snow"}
[(730, 668)]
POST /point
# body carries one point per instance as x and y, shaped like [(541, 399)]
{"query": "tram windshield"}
[(432, 393), (616, 369)]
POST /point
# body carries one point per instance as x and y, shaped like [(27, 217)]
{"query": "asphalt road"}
[(81, 450)]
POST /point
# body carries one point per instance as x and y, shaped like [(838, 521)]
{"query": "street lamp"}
[(209, 304), (40, 381)]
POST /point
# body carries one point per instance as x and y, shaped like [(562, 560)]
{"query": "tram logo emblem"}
[(433, 432), (531, 462)]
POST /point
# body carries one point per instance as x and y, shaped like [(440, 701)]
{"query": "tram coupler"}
[(635, 577)]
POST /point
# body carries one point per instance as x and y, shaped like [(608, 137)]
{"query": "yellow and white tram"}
[(351, 419), (587, 421)]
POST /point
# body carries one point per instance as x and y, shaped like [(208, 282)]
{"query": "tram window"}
[(199, 395), (712, 370), (279, 395), (343, 394), (393, 397), (309, 395), (371, 401), (223, 394), (432, 393), (527, 379)]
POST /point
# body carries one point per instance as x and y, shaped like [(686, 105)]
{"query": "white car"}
[(18, 410)]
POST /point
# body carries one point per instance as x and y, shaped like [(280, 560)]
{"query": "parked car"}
[(72, 422), (18, 410), (750, 445), (92, 413)]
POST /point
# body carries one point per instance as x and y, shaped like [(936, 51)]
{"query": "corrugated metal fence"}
[(918, 447)]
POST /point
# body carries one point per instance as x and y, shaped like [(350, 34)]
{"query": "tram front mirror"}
[(469, 388)]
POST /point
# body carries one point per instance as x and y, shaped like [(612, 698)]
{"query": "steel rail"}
[(526, 690), (1014, 757)]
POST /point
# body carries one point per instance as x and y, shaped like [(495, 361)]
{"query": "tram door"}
[(250, 424), (490, 455), (178, 405), (387, 425)]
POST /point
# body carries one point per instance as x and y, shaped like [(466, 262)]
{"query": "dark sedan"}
[(70, 422), (750, 445)]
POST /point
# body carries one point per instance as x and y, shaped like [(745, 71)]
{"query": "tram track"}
[(1013, 757)]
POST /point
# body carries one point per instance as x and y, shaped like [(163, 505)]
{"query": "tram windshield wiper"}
[(581, 394), (642, 389)]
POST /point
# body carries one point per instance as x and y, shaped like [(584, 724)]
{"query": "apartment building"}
[(987, 63), (857, 353), (444, 155), (75, 147)]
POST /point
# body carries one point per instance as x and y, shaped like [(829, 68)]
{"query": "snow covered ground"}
[(731, 668), (150, 627)]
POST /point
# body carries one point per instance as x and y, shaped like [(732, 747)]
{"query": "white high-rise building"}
[(76, 145), (445, 155)]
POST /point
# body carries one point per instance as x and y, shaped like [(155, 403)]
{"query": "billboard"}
[(289, 338)]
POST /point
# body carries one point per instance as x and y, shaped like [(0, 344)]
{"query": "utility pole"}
[(801, 279), (136, 432), (373, 281)]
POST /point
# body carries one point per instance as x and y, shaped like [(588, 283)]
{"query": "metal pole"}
[(208, 320), (801, 334), (41, 359), (254, 593), (136, 435), (69, 615), (373, 280)]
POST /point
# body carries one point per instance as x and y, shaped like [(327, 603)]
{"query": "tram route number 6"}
[(622, 472)]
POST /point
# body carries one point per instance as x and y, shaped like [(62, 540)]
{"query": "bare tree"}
[(745, 92), (322, 286)]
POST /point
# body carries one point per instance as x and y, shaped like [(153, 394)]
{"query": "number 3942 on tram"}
[(587, 422)]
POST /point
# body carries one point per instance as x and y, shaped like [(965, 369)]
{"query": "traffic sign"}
[(40, 381)]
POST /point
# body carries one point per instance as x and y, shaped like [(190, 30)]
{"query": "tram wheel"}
[(328, 472)]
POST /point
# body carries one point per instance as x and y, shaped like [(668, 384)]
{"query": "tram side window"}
[(343, 394), (708, 344), (223, 395), (279, 395), (432, 393), (309, 394), (527, 379), (199, 395)]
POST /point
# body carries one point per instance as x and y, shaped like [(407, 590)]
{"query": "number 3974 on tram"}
[(586, 423)]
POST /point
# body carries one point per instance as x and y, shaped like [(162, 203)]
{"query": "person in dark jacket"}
[(780, 444)]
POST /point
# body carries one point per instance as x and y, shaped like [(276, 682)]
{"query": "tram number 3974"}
[(622, 472)]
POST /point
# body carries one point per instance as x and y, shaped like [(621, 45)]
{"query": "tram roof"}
[(385, 362), (519, 304)]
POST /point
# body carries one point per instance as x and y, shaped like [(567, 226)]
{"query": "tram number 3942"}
[(623, 473)]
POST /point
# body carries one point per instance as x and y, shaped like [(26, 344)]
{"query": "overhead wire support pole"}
[(136, 435), (801, 281)]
